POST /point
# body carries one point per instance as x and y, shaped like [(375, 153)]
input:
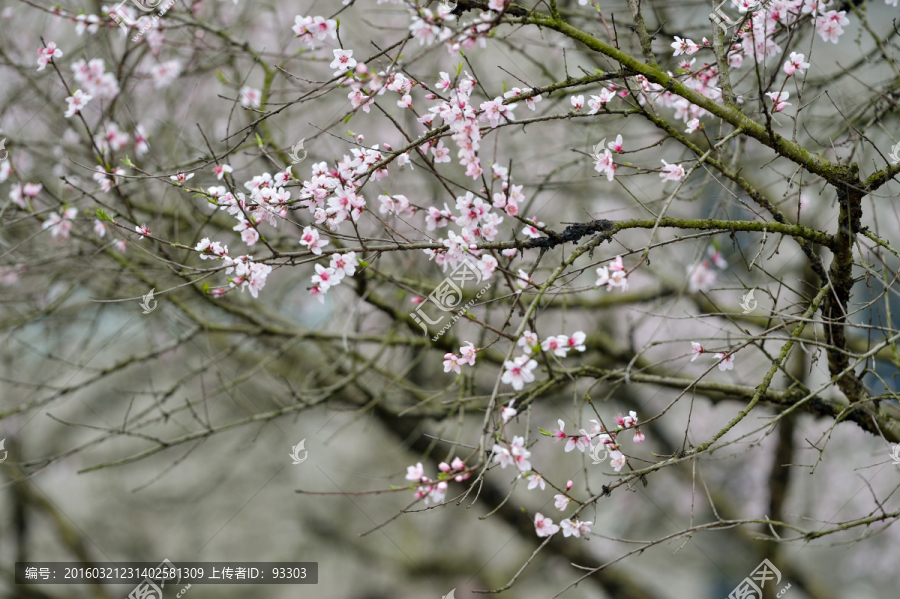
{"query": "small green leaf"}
[(102, 215)]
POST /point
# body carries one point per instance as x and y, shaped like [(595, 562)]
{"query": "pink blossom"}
[(325, 278), (616, 146), (684, 46), (532, 231), (562, 502), (507, 413), (577, 102), (701, 277), (310, 238), (415, 473), (452, 362), (795, 63), (343, 61), (627, 421), (528, 341), (696, 349), (518, 372), (60, 224), (575, 528), (726, 362), (221, 169), (441, 153), (671, 172), (181, 177), (597, 103), (692, 126), (502, 456), (638, 437), (581, 441), (559, 345), (603, 163), (544, 527), (617, 460), (76, 102), (520, 454), (143, 230), (307, 28), (778, 100), (344, 264), (250, 97), (576, 341), (45, 55), (535, 480), (560, 433)]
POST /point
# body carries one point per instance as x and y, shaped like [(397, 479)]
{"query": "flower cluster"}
[(612, 276), (45, 55), (330, 276), (467, 356), (247, 273), (582, 439), (434, 491)]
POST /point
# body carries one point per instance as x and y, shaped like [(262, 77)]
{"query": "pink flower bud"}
[(638, 437), (569, 485), (445, 467)]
